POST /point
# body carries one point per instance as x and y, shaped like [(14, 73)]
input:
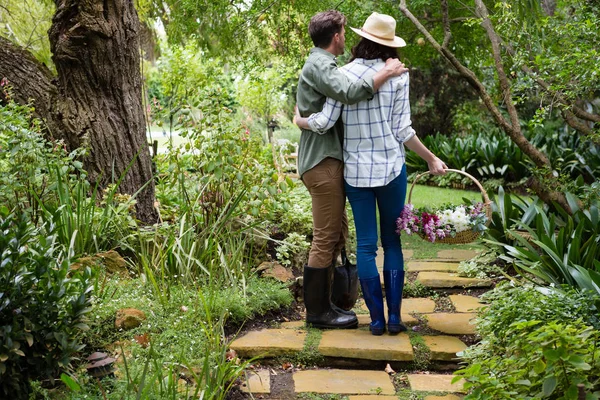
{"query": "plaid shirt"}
[(374, 130)]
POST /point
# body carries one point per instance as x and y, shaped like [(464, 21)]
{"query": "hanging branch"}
[(568, 108), (511, 128)]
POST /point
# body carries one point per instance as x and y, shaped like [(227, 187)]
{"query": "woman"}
[(375, 134)]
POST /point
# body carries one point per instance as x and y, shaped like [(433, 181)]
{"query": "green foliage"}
[(43, 305), (416, 289), (293, 251), (39, 178), (560, 356), (561, 250), (182, 79), (557, 248), (298, 217), (509, 303), (552, 327), (481, 266), (26, 23), (25, 158), (264, 90), (542, 46), (511, 212)]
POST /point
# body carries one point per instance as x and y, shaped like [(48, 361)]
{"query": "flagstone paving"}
[(465, 304), (418, 266), (257, 382), (452, 323), (341, 381), (449, 280), (361, 344), (433, 383), (269, 343), (358, 344), (444, 348)]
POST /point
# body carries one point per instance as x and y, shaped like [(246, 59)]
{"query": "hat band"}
[(377, 36)]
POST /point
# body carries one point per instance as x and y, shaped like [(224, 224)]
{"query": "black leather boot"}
[(317, 295)]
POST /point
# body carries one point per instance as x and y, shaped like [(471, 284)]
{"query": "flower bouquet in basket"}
[(447, 224)]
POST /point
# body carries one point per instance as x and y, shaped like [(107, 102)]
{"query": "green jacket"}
[(319, 79)]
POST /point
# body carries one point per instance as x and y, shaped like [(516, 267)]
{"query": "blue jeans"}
[(390, 201)]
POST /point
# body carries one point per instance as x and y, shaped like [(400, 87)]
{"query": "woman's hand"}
[(437, 167)]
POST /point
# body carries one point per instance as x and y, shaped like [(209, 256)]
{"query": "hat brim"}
[(396, 42)]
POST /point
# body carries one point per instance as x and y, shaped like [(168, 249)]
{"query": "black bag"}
[(344, 290)]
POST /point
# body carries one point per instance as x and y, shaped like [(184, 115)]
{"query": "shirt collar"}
[(319, 50)]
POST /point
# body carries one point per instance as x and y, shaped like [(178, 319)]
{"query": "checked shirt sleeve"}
[(324, 120), (401, 123)]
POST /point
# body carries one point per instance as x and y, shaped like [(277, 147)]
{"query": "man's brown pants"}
[(325, 183)]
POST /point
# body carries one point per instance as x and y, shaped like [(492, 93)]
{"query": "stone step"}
[(452, 323), (434, 383), (361, 344), (269, 343), (354, 343), (338, 381), (257, 382), (444, 348), (465, 304), (431, 265), (450, 280)]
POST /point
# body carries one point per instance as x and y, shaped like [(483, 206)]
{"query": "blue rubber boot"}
[(394, 284), (373, 295)]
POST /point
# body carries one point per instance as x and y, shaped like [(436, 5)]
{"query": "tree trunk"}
[(95, 46), (30, 80)]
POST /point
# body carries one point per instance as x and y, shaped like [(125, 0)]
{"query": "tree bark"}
[(95, 46), (30, 80)]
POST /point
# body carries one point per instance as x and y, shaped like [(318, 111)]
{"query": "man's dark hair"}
[(369, 50), (324, 25)]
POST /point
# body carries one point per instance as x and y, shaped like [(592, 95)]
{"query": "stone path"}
[(437, 331)]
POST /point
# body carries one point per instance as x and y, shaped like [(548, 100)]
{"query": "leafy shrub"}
[(561, 249), (557, 330), (43, 305), (494, 157), (481, 266), (511, 212), (293, 251), (39, 177), (542, 360)]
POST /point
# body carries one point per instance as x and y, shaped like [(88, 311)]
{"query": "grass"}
[(433, 196), (310, 353)]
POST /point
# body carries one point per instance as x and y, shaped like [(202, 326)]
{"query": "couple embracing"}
[(355, 124)]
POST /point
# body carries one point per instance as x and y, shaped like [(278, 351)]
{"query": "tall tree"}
[(95, 99), (500, 51)]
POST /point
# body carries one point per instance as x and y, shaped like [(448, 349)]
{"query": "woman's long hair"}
[(370, 50)]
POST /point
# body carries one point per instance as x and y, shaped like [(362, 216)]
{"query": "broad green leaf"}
[(549, 385), (70, 382)]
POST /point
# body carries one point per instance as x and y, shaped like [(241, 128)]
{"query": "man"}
[(320, 162)]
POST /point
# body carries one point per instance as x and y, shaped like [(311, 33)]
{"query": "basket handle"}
[(486, 200)]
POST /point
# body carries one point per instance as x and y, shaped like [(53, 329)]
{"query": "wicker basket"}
[(464, 236)]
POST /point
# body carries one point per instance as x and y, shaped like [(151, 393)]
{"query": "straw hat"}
[(380, 28)]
